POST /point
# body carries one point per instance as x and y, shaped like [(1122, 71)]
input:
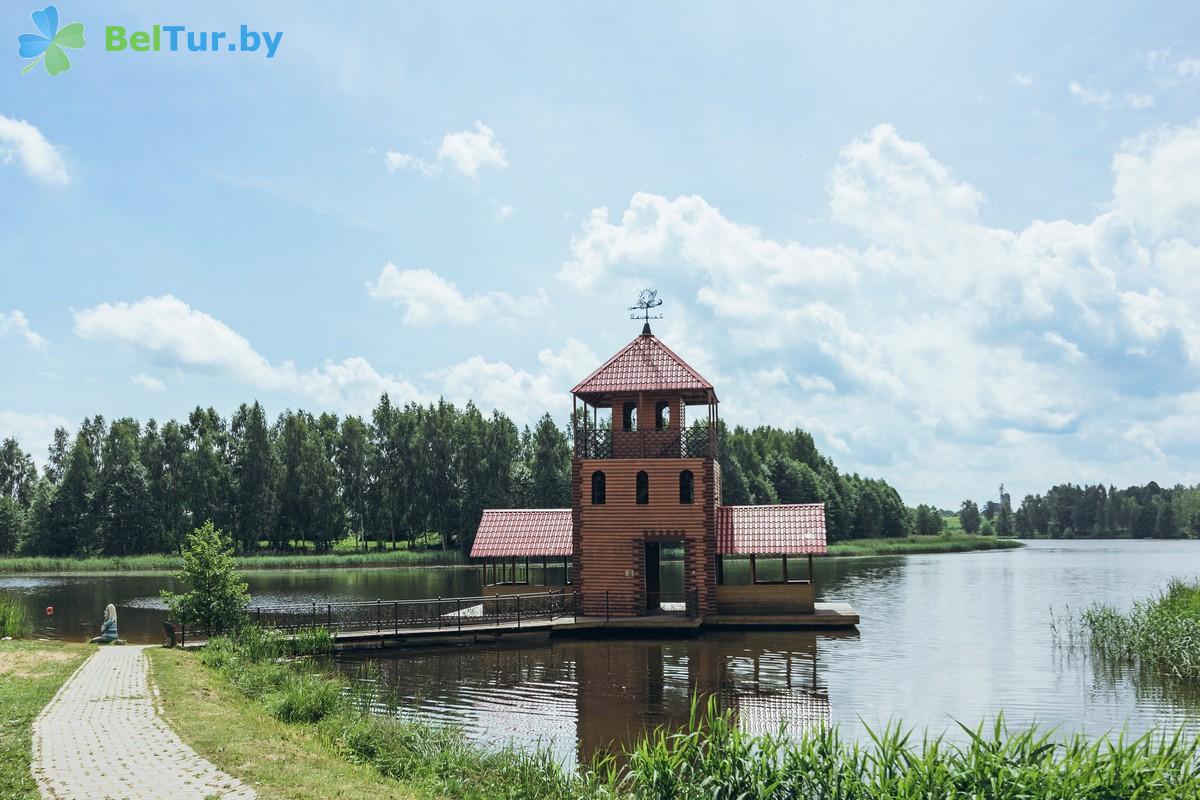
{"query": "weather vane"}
[(647, 300)]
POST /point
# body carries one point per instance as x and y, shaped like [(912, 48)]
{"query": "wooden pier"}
[(469, 620)]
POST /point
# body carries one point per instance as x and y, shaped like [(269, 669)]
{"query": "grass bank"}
[(938, 543), (171, 562), (235, 732), (1161, 635), (321, 723), (30, 674)]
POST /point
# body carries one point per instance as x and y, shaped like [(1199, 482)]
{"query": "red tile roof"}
[(523, 532), (643, 365), (795, 529)]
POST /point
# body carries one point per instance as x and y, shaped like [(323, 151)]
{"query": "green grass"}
[(234, 731), (171, 562), (939, 543), (1161, 635), (709, 758), (14, 621), (30, 674)]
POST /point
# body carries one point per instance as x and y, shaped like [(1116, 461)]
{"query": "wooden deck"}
[(468, 620)]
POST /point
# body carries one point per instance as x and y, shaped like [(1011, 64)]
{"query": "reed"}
[(911, 545), (1160, 635), (14, 620)]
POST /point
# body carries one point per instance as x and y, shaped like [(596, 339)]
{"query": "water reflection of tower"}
[(628, 688), (769, 686)]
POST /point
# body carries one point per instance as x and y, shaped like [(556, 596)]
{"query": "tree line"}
[(403, 474), (1069, 511)]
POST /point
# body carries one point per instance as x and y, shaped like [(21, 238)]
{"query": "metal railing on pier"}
[(452, 614)]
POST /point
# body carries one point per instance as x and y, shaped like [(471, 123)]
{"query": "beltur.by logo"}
[(177, 38), (47, 47)]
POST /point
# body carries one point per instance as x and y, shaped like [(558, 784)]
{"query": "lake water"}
[(943, 638)]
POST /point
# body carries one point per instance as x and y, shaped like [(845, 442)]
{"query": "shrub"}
[(304, 697), (312, 642)]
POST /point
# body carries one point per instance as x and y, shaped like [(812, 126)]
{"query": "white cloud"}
[(942, 349), (504, 212), (1163, 63), (429, 299), (1022, 80), (169, 329), (1158, 182), (149, 382), (1108, 101), (33, 431), (467, 152), (397, 161), (21, 141), (16, 323), (522, 394), (470, 151)]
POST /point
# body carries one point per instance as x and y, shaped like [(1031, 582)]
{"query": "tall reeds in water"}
[(1161, 634), (14, 620)]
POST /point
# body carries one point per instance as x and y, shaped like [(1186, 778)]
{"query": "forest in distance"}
[(404, 473), (425, 473)]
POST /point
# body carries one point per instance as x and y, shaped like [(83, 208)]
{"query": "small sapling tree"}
[(216, 598)]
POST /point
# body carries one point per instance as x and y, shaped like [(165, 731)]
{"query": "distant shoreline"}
[(165, 563)]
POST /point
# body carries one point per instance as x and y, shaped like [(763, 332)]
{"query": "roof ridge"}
[(652, 344)]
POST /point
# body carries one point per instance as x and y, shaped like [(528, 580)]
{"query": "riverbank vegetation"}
[(419, 475), (940, 543), (268, 700), (1161, 634), (30, 674), (173, 562), (14, 621)]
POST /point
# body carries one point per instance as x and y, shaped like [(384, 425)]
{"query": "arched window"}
[(662, 415), (643, 489), (629, 416), (598, 488), (687, 487)]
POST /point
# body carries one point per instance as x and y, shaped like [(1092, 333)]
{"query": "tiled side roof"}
[(523, 532), (795, 529), (643, 365)]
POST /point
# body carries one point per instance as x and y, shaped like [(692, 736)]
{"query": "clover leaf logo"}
[(47, 47)]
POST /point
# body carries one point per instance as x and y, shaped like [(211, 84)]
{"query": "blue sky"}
[(960, 245)]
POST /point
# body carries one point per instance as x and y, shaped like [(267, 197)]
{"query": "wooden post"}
[(785, 573), (811, 579), (753, 570)]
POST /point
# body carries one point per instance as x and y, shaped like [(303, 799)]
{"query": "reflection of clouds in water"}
[(16, 583), (799, 710), (299, 598), (155, 603)]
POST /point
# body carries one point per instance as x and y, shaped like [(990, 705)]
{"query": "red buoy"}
[(49, 611)]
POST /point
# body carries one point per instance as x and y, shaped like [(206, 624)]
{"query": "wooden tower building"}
[(647, 532)]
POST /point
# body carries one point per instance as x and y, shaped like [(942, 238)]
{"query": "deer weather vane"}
[(647, 300)]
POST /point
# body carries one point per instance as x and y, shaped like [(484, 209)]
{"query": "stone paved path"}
[(102, 737)]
